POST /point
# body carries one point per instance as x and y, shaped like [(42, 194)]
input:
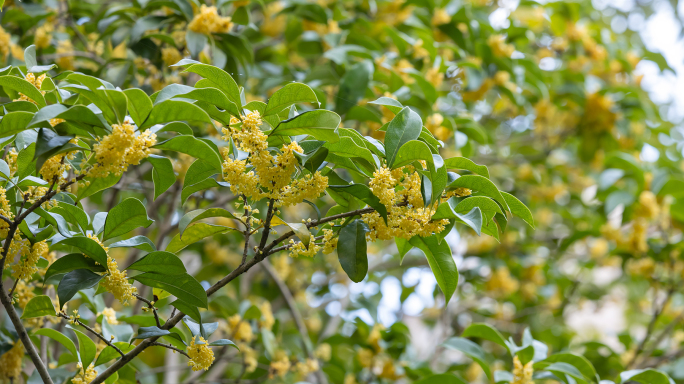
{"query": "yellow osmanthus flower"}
[(6, 211), (5, 43), (522, 374), (171, 55), (27, 266), (304, 368), (201, 355), (11, 160), (323, 352), (267, 320), (501, 283), (239, 329), (85, 377), (274, 173), (110, 315), (117, 283), (434, 124), (116, 151), (403, 221), (329, 241), (10, 363), (43, 38), (37, 82), (440, 17), (208, 21), (499, 46), (24, 293), (598, 115), (273, 23), (279, 367), (300, 249), (64, 60)]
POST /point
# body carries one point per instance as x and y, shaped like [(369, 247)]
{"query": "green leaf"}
[(125, 217), (72, 214), (140, 242), (20, 85), (518, 208), (403, 246), (484, 331), (153, 331), (471, 350), (320, 124), (86, 348), (578, 361), (108, 354), (221, 78), (444, 378), (347, 147), (71, 262), (139, 105), (88, 246), (200, 214), (288, 95), (353, 86), (467, 164), (565, 369), (190, 310), (351, 250), (75, 281), (163, 175), (194, 147), (363, 193), (165, 263), (58, 337), (223, 342), (441, 262), (388, 102), (97, 184), (175, 110), (14, 122), (183, 286), (404, 127), (480, 184), (39, 306), (194, 234), (645, 376), (299, 229)]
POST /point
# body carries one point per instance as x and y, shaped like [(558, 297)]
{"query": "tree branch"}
[(99, 335)]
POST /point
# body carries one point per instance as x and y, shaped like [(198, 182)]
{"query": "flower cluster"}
[(84, 376), (6, 211), (116, 151), (269, 176), (117, 283), (409, 219), (201, 355), (208, 21), (522, 374), (10, 363), (27, 266)]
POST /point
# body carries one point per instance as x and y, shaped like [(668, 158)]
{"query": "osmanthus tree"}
[(73, 135), (548, 99)]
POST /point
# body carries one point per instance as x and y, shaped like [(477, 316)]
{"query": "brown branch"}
[(94, 332), (171, 347)]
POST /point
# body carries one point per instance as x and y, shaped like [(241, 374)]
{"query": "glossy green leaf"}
[(71, 262), (59, 337), (199, 214), (194, 147), (89, 247), (175, 110), (352, 252), (39, 306), (441, 262), (86, 348), (125, 217), (319, 124), (20, 85), (75, 281), (194, 234), (404, 127), (288, 95), (165, 263), (183, 286)]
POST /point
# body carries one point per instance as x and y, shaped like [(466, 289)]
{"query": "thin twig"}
[(151, 306), (99, 335), (169, 346)]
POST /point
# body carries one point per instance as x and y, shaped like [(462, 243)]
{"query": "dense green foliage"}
[(259, 187)]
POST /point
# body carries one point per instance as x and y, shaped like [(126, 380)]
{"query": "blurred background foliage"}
[(548, 96)]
